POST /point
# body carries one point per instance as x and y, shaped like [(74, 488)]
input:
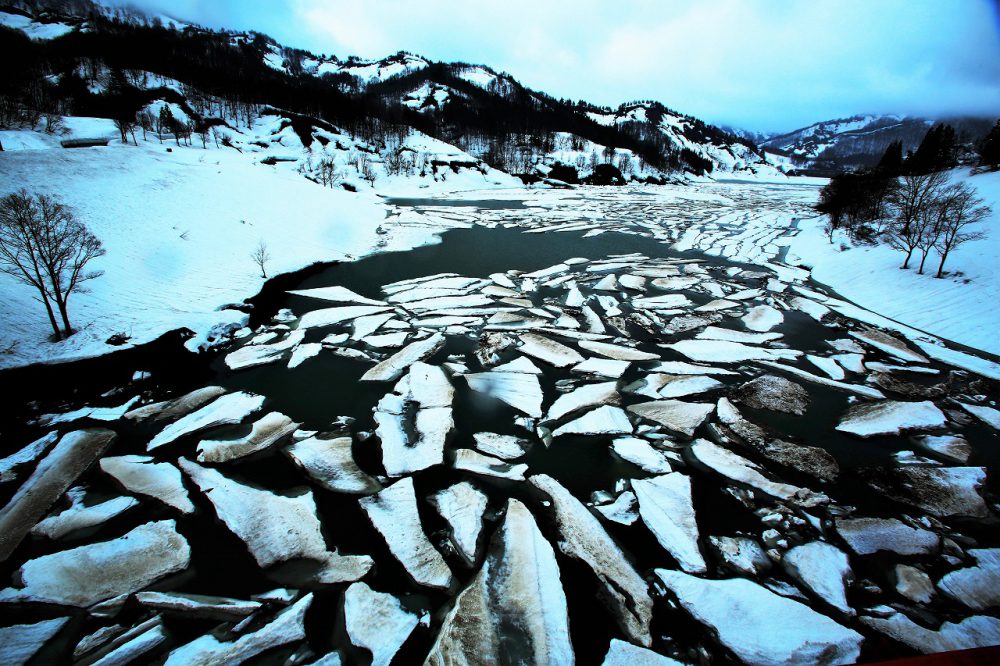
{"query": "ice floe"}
[(229, 409), (823, 569), (145, 476), (891, 418), (329, 461), (666, 507), (377, 622), (462, 506), (264, 433)]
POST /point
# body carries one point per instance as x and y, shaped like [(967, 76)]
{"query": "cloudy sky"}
[(760, 64)]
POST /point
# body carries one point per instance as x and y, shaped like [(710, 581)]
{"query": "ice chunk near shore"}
[(605, 420), (762, 318), (287, 627), (869, 535), (987, 415), (891, 418), (977, 587), (20, 642), (815, 310), (67, 460), (677, 415), (507, 447), (393, 367), (514, 610), (251, 355), (721, 351), (78, 516), (462, 506), (229, 409), (972, 632), (741, 470), (621, 653), (640, 453), (889, 344), (377, 622), (171, 410), (330, 463), (582, 537), (276, 528), (331, 316), (587, 395), (144, 476), (365, 326), (520, 390), (666, 507), (822, 568), (85, 575), (549, 351), (393, 512), (264, 433), (93, 413), (761, 627), (29, 453), (335, 294)]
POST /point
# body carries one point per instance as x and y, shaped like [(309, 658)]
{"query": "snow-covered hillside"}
[(959, 306)]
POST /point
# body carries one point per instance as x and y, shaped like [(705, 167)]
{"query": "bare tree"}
[(907, 235), (962, 210), (929, 221), (261, 256), (913, 194), (42, 244)]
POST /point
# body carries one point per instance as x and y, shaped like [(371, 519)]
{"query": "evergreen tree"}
[(891, 163), (989, 149), (937, 152)]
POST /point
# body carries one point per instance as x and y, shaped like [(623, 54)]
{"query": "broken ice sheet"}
[(462, 505)]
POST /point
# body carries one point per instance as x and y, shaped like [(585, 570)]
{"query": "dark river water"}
[(326, 387)]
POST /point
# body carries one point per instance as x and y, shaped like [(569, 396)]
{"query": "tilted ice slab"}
[(264, 433), (624, 510), (722, 351), (331, 316), (953, 448), (940, 491), (977, 587), (582, 537), (617, 352), (889, 344), (393, 367), (78, 516), (684, 368), (761, 627), (507, 447), (741, 554), (605, 420), (822, 568), (741, 470), (470, 460), (92, 413), (335, 294), (144, 476), (287, 627), (518, 389), (377, 622), (602, 367), (987, 415), (665, 506), (972, 632), (514, 610), (393, 512), (621, 653), (222, 609), (331, 464), (85, 575), (252, 355), (171, 410), (891, 418), (128, 647), (549, 351), (870, 535), (67, 460), (462, 506), (30, 453), (729, 335), (677, 415), (865, 391), (365, 326), (20, 642), (230, 409), (275, 528), (587, 395), (639, 452)]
